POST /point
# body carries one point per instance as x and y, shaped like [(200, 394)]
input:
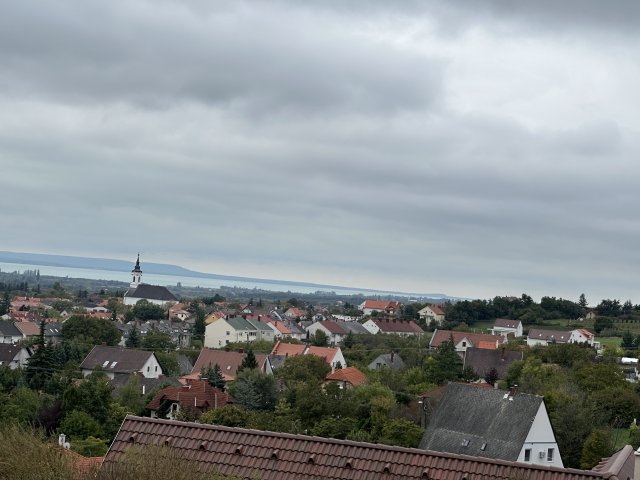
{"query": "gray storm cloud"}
[(423, 146)]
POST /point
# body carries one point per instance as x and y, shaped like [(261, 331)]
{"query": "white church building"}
[(141, 291)]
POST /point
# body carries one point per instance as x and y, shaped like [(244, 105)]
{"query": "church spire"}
[(136, 274)]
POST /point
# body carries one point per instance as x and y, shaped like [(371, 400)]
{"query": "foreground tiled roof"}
[(281, 456)]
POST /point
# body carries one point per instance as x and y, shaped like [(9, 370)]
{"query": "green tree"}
[(145, 310), (401, 432), (79, 425), (249, 362), (93, 331), (92, 396), (597, 446), (157, 341), (133, 340), (582, 301), (445, 364), (254, 390), (319, 339), (229, 416), (303, 369), (348, 340), (214, 376), (130, 395)]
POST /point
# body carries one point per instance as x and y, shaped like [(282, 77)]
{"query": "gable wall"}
[(539, 439)]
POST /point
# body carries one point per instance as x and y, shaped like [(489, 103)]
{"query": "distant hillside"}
[(93, 263)]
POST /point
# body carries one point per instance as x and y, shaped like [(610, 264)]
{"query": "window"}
[(464, 344), (228, 333), (527, 455), (156, 368), (148, 369), (550, 455)]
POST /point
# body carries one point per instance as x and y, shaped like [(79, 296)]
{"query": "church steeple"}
[(136, 274)]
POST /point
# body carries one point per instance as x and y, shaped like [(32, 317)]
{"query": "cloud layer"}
[(435, 146)]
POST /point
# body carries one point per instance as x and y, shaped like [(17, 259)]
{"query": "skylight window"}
[(113, 364), (105, 364), (465, 442)]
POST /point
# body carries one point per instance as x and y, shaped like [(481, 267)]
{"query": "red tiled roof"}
[(333, 327), (291, 349), (28, 328), (436, 309), (393, 325), (197, 396), (280, 326), (228, 362), (441, 336), (282, 456), (350, 374), (381, 305)]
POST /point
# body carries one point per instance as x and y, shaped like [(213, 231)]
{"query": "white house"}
[(464, 340), (432, 314), (9, 333), (141, 291), (13, 356), (393, 326), (331, 355), (224, 331), (369, 306), (117, 361), (538, 336), (505, 326), (496, 424)]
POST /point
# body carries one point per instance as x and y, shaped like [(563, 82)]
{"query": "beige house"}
[(432, 315)]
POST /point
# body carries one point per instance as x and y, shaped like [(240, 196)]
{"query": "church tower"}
[(136, 274)]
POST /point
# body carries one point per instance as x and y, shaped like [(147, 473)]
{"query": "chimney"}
[(392, 355), (513, 391), (241, 350), (62, 437), (636, 464)]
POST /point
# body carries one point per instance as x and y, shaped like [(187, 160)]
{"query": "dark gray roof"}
[(53, 329), (482, 360), (469, 417), (9, 329), (184, 364), (385, 361), (126, 360), (8, 352), (151, 292), (150, 384), (353, 327)]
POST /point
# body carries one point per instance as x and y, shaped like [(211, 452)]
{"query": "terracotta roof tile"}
[(441, 336), (350, 375), (281, 456), (197, 396), (393, 325), (227, 360)]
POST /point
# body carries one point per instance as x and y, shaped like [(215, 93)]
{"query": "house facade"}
[(505, 326), (223, 331), (393, 326), (9, 333), (332, 355), (539, 336), (370, 306), (432, 315), (13, 356), (464, 340)]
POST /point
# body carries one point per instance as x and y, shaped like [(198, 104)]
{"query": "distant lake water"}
[(167, 280)]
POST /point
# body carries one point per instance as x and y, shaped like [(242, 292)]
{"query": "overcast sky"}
[(469, 148)]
